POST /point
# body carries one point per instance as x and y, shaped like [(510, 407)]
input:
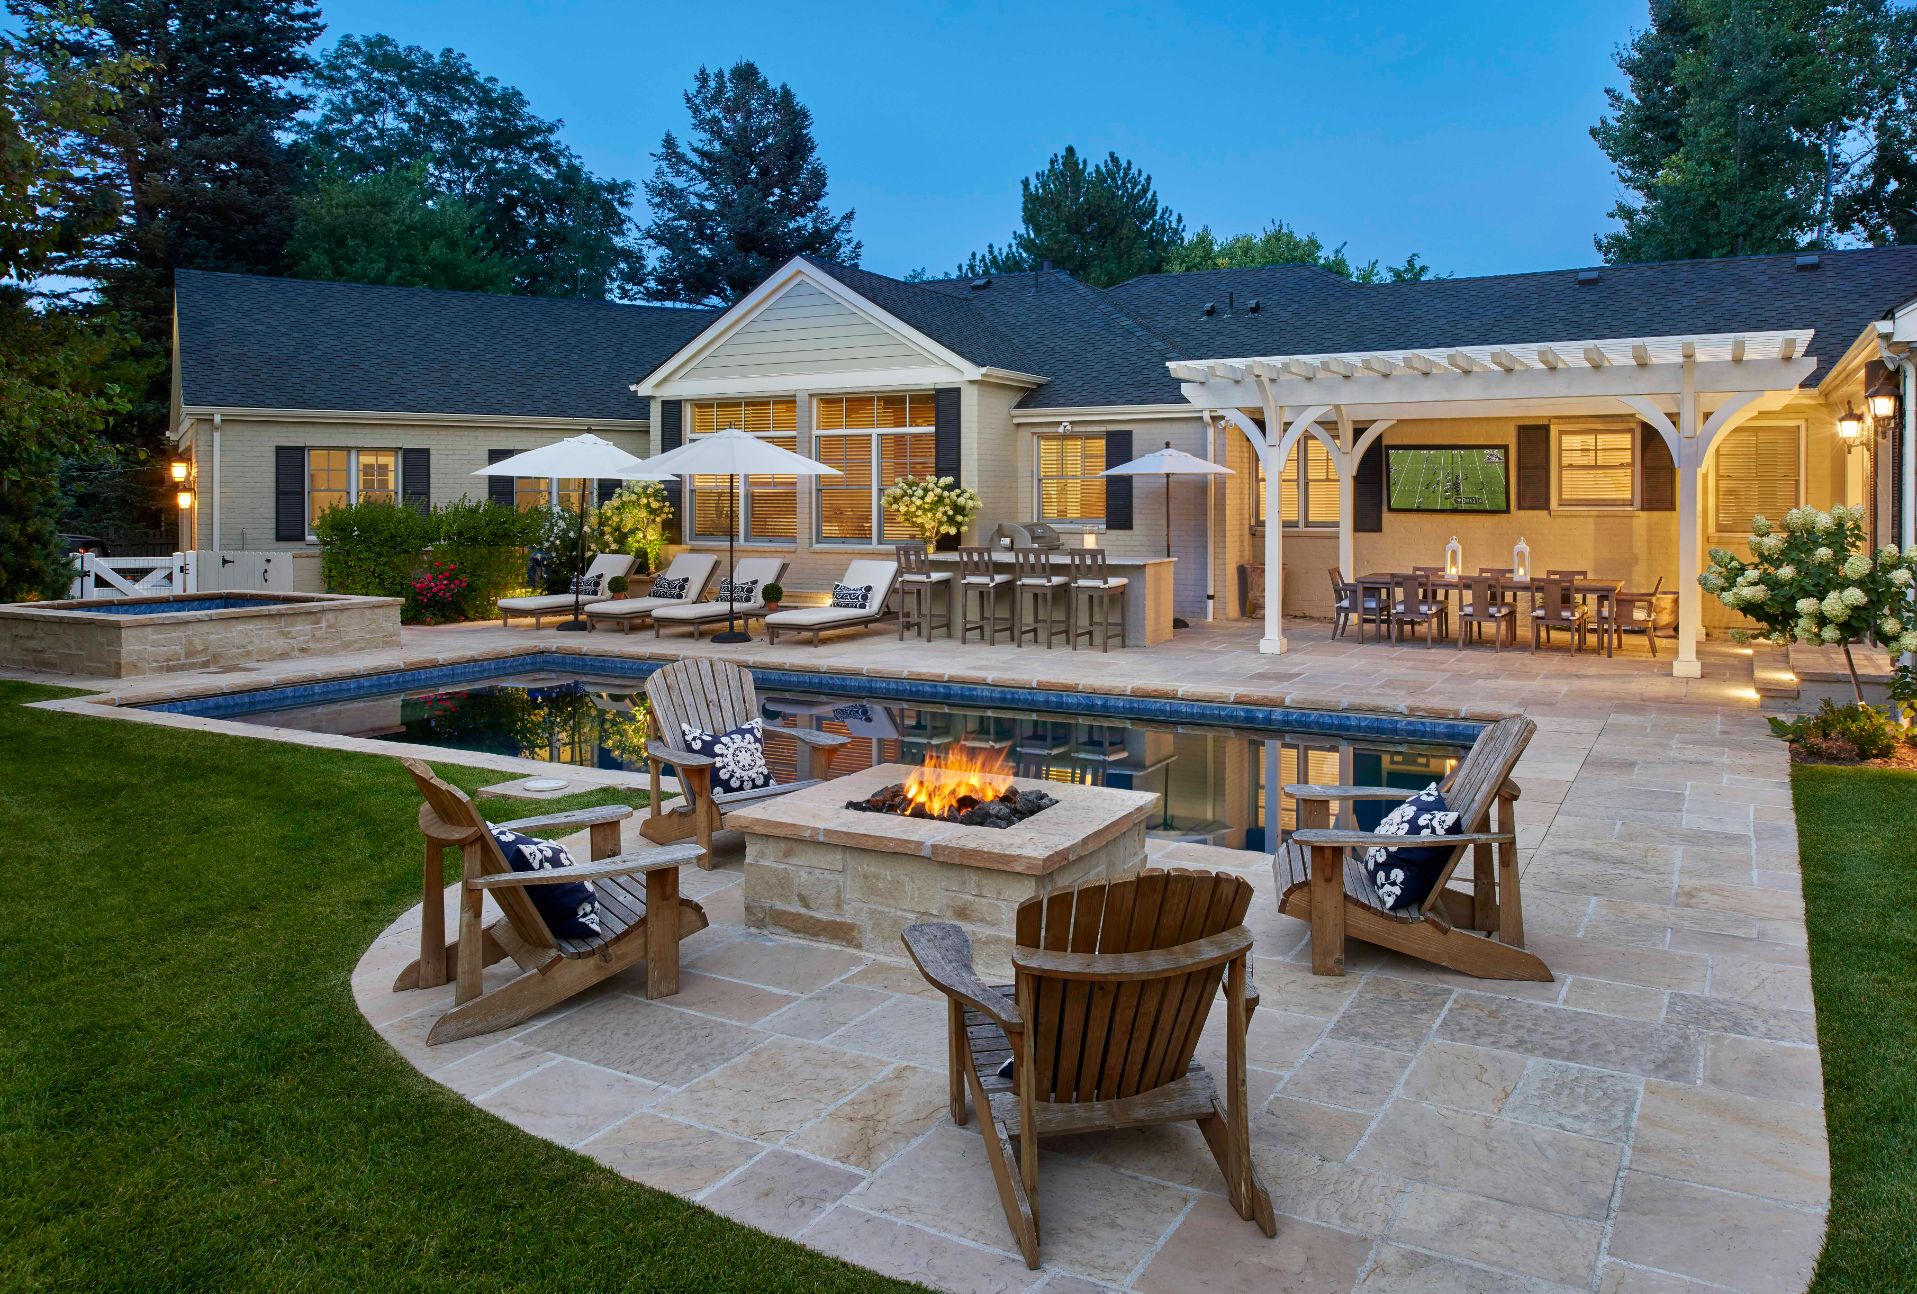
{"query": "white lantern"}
[(1521, 560), (1453, 558)]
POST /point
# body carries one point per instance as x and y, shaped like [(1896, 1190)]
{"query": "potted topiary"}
[(618, 585), (772, 595)]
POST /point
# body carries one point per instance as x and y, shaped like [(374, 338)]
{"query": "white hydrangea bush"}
[(932, 506), (1812, 578)]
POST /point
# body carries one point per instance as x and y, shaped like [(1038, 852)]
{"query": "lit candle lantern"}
[(1454, 558), (1521, 560)]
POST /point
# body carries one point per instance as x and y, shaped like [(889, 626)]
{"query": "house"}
[(1639, 413)]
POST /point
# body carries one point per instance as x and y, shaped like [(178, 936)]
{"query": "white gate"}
[(135, 577)]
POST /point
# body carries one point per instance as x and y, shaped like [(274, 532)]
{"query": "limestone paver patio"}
[(1651, 1122)]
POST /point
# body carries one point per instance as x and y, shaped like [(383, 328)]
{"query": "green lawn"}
[(188, 1098), (1860, 859)]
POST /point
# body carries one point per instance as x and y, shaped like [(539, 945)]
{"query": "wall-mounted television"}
[(1448, 478)]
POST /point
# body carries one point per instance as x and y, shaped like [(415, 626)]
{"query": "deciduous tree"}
[(393, 229)]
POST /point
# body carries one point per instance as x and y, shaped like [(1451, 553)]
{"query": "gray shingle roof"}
[(248, 342), (1304, 310)]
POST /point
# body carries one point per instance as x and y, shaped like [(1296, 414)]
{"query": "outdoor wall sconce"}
[(178, 468), (1453, 559), (1850, 428), (1521, 560), (1883, 405), (185, 500)]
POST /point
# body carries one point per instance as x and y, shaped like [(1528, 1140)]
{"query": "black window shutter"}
[(289, 493), (499, 489), (1368, 491), (1533, 492), (1118, 489), (608, 486), (945, 445), (416, 478), (1657, 474), (672, 434)]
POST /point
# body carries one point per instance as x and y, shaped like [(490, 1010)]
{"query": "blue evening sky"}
[(1457, 132)]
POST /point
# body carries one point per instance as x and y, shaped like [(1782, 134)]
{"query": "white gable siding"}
[(804, 331)]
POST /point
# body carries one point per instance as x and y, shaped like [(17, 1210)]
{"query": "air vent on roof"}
[(979, 285), (1211, 308), (1809, 261), (1588, 277), (1253, 306)]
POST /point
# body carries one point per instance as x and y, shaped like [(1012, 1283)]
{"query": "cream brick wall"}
[(247, 456)]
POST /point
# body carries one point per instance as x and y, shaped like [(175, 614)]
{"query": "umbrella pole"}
[(732, 634), (578, 621), (1178, 622)]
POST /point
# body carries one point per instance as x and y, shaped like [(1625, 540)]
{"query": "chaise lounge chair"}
[(1114, 981), (542, 606), (875, 578), (693, 568), (754, 573), (640, 914)]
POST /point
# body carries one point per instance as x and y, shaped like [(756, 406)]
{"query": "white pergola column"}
[(1690, 551), (1273, 643)]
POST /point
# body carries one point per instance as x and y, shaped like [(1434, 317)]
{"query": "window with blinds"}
[(1307, 488), (873, 440), (1597, 467), (1069, 485), (768, 506), (1755, 473)]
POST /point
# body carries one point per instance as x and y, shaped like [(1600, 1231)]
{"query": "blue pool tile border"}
[(1277, 719)]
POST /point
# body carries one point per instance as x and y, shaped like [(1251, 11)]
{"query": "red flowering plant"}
[(438, 596)]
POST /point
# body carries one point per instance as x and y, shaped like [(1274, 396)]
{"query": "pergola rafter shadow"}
[(1693, 388)]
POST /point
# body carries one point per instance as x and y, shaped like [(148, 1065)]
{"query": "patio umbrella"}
[(1169, 462), (731, 453), (585, 456)]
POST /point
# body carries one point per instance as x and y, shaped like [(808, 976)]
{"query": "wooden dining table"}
[(1601, 592)]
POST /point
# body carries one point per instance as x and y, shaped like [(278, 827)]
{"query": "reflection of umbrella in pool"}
[(586, 457), (730, 453), (1169, 462)]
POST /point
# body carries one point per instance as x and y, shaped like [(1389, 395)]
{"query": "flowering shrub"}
[(634, 521), (932, 505), (1812, 578), (1841, 733), (438, 596)]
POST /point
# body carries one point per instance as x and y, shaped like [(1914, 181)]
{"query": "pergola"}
[(1692, 388)]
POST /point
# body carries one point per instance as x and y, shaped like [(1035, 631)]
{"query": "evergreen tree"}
[(1101, 224), (1881, 207), (1279, 244), (744, 193), (383, 108), (1745, 126), (393, 229)]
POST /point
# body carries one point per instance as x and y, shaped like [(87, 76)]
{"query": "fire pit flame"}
[(962, 788)]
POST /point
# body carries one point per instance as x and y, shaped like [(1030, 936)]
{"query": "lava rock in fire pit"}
[(1011, 806)]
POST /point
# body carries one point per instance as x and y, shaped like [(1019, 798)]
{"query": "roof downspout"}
[(1906, 486), (216, 545)]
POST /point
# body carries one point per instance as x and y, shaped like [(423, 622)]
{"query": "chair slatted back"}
[(711, 695), (450, 817), (1555, 599), (1472, 789), (914, 561), (1032, 564), (1091, 1040), (1480, 593), (1086, 565), (1568, 575)]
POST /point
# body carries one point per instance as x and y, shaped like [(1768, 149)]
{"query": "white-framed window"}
[(1756, 470), (1070, 489), (768, 505), (1307, 488), (337, 476), (1596, 466), (873, 440)]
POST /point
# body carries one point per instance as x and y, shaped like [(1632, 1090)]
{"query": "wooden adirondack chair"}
[(1113, 982), (1322, 881), (712, 696), (637, 919)]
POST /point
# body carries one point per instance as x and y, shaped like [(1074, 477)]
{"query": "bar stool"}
[(980, 578), (1038, 581), (919, 588), (1100, 589)]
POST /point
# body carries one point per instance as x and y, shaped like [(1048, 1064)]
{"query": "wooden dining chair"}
[(1414, 602), (1484, 603), (1557, 608)]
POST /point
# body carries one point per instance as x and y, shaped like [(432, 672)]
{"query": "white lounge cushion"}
[(540, 602), (698, 613), (605, 566), (622, 607), (813, 617)]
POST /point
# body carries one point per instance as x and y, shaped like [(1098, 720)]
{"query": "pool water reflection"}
[(1215, 785)]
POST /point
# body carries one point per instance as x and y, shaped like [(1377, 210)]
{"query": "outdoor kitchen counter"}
[(1148, 602)]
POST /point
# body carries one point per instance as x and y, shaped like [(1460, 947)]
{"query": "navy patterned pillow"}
[(1404, 874), (743, 591), (585, 585), (665, 588), (851, 597), (738, 757), (570, 909)]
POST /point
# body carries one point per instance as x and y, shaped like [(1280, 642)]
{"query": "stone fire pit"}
[(815, 868)]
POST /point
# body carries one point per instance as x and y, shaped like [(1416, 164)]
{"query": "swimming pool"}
[(1215, 768), (177, 603)]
